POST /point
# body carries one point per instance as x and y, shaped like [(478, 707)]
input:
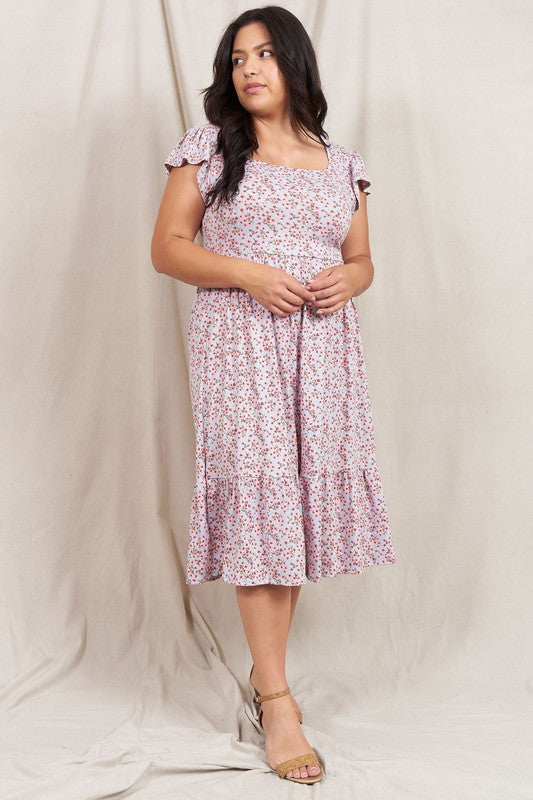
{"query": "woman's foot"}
[(284, 738), (293, 699)]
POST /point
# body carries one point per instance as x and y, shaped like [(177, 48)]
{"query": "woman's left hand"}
[(334, 286)]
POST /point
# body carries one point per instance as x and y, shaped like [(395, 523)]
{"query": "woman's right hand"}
[(275, 289)]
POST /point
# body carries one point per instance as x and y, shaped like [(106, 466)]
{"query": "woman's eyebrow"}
[(254, 48)]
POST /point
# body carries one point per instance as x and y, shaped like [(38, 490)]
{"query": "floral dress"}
[(287, 488)]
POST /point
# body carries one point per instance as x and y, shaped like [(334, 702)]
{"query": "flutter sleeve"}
[(196, 146), (358, 174)]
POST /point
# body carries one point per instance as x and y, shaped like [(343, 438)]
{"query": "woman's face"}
[(254, 61)]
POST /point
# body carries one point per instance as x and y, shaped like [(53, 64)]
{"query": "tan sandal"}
[(307, 759), (258, 707)]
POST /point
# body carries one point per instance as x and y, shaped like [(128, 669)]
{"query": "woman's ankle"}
[(269, 680)]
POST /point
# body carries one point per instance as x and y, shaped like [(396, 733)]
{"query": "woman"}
[(287, 486)]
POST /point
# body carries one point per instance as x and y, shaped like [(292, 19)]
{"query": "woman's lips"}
[(254, 89)]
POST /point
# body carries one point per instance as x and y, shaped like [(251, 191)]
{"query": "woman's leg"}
[(266, 612), (295, 593)]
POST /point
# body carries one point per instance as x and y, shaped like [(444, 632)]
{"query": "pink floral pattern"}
[(287, 486)]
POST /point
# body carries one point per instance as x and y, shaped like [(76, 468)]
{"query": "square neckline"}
[(296, 169)]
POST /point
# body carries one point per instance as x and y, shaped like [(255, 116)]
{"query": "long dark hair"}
[(306, 102)]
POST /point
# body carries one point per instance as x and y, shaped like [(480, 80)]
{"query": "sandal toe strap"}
[(308, 759)]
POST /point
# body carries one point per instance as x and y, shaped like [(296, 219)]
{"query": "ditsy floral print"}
[(287, 486)]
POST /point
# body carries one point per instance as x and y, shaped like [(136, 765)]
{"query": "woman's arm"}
[(173, 250), (356, 249)]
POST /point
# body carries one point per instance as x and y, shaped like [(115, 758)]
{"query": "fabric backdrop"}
[(117, 679)]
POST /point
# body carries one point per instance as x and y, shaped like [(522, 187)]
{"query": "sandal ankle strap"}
[(262, 697)]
